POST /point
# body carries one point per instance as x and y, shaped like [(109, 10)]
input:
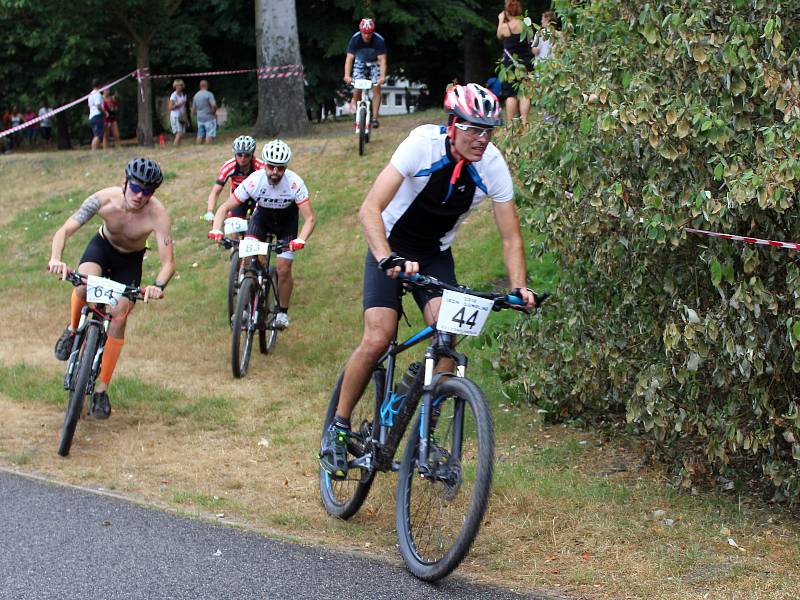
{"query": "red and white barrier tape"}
[(295, 70), (60, 108), (748, 240)]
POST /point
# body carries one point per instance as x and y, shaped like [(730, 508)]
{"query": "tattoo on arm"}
[(88, 209)]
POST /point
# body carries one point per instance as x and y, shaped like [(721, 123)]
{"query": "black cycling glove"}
[(392, 261)]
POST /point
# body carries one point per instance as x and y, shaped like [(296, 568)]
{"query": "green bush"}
[(657, 117)]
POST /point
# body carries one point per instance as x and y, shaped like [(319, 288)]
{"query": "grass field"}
[(571, 513)]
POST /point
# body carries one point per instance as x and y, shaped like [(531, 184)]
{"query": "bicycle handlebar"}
[(77, 279), (501, 300), (227, 242)]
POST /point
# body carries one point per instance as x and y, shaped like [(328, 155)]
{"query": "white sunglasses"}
[(475, 131)]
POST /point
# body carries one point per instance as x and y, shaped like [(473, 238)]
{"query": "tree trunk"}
[(281, 101), (62, 131), (475, 60), (144, 100)]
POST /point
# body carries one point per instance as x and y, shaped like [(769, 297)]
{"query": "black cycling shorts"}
[(264, 222), (122, 267), (380, 290), (241, 209)]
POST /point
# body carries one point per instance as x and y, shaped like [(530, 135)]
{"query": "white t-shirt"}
[(95, 103), (290, 190), (44, 122), (179, 101), (544, 45), (426, 211)]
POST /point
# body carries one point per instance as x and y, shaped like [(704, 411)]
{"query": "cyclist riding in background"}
[(366, 59), (130, 213), (236, 171), (410, 216), (279, 195)]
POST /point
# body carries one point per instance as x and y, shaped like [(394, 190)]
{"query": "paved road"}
[(63, 542)]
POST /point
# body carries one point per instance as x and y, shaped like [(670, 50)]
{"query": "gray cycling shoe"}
[(101, 406), (64, 344), (333, 454)]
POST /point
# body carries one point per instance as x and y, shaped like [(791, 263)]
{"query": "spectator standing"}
[(509, 28), (542, 44), (16, 119), (111, 127), (96, 114), (204, 106), (45, 126), (177, 108), (366, 59), (30, 131)]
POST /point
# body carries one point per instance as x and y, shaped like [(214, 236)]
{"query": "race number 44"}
[(462, 313)]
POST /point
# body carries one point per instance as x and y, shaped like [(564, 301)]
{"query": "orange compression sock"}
[(75, 307), (110, 356)]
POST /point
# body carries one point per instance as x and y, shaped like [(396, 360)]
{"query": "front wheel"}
[(267, 332), (80, 383), (362, 130), (233, 283), (343, 497), (439, 512), (244, 326)]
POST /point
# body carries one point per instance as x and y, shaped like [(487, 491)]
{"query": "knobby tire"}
[(362, 130), (267, 333), (243, 327), (343, 498), (438, 517), (233, 283), (80, 381)]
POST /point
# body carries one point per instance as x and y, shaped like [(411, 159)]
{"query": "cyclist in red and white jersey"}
[(280, 196), (235, 170)]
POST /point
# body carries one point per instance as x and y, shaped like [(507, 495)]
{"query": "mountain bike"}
[(363, 112), (257, 301), (83, 365), (446, 471), (233, 225)]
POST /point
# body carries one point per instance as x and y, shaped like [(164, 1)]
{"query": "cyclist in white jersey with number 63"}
[(280, 195)]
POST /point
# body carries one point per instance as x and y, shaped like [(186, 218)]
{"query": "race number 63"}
[(462, 313)]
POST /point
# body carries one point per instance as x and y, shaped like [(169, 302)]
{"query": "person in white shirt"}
[(177, 111), (96, 114)]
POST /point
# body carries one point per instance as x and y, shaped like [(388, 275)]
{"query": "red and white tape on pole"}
[(274, 72), (60, 108)]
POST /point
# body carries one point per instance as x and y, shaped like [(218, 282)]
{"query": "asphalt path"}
[(59, 541)]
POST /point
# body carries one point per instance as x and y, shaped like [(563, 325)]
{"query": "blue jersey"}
[(364, 52)]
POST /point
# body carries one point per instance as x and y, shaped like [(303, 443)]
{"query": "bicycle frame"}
[(390, 403), (86, 321)]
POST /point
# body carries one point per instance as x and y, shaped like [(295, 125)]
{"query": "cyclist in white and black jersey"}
[(280, 196), (410, 216)]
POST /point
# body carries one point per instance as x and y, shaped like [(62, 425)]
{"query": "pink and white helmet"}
[(366, 26), (473, 103)]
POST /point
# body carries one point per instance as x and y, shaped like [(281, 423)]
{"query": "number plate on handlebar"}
[(362, 84), (100, 290), (462, 313), (235, 225), (250, 247)]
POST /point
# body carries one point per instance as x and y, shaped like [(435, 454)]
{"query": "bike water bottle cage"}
[(391, 261)]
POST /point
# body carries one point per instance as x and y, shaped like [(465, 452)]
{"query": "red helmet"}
[(473, 103), (366, 26)]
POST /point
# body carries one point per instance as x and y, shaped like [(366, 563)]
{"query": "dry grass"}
[(566, 516)]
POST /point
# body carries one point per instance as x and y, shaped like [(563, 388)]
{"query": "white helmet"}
[(244, 144), (276, 152)]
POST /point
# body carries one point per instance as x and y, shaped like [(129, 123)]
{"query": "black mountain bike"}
[(83, 365), (446, 471), (257, 301), (233, 225)]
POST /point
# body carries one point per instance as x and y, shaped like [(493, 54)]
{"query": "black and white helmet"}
[(276, 152), (144, 170), (244, 144)]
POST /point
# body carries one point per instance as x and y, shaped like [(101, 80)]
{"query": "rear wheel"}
[(362, 129), (244, 326), (343, 497), (439, 511), (80, 383), (233, 283), (267, 332)]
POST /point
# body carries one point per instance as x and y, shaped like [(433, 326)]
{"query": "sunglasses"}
[(145, 191), (243, 154), (474, 131)]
